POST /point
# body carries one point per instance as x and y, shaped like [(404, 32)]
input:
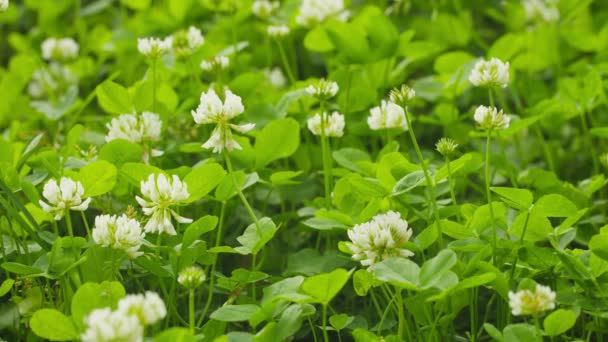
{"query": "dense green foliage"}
[(505, 206)]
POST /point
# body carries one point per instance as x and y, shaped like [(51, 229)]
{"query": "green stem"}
[(588, 139), (521, 243), (191, 309), (86, 224), (430, 183), (326, 151), (68, 223), (218, 240), (154, 60), (240, 193), (539, 331), (489, 195), (451, 185), (401, 316), (325, 335), (285, 61)]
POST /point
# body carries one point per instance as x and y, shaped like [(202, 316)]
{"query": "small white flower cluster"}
[(276, 77), (492, 73), (263, 8), (119, 232), (526, 302), (380, 238), (216, 64), (191, 277), (55, 79), (212, 110), (105, 325), (3, 5), (446, 146), (59, 49), (134, 128), (545, 10), (63, 196), (388, 115), (323, 90), (313, 12), (278, 31), (159, 194), (402, 96), (154, 47), (333, 124), (490, 118), (127, 322), (186, 43)]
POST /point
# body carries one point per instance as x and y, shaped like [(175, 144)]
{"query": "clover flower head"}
[(276, 77), (59, 49), (149, 308), (119, 232), (492, 73), (277, 31), (333, 124), (323, 90), (63, 196), (57, 78), (545, 10), (446, 146), (3, 5), (313, 12), (212, 110), (105, 325), (135, 129), (526, 302), (216, 64), (159, 194), (402, 96), (154, 47), (264, 8), (387, 115), (379, 239), (185, 43), (191, 277), (490, 118)]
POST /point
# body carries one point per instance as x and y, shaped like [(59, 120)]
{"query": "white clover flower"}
[(67, 195), (195, 38), (160, 193), (62, 49), (545, 10), (185, 43), (323, 90), (446, 146), (526, 302), (149, 308), (278, 31), (276, 77), (135, 129), (105, 325), (490, 118), (191, 277), (313, 12), (3, 5), (119, 232), (154, 47), (334, 124), (380, 238), (215, 64), (402, 96), (55, 79), (492, 73), (213, 111), (387, 115), (264, 8)]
